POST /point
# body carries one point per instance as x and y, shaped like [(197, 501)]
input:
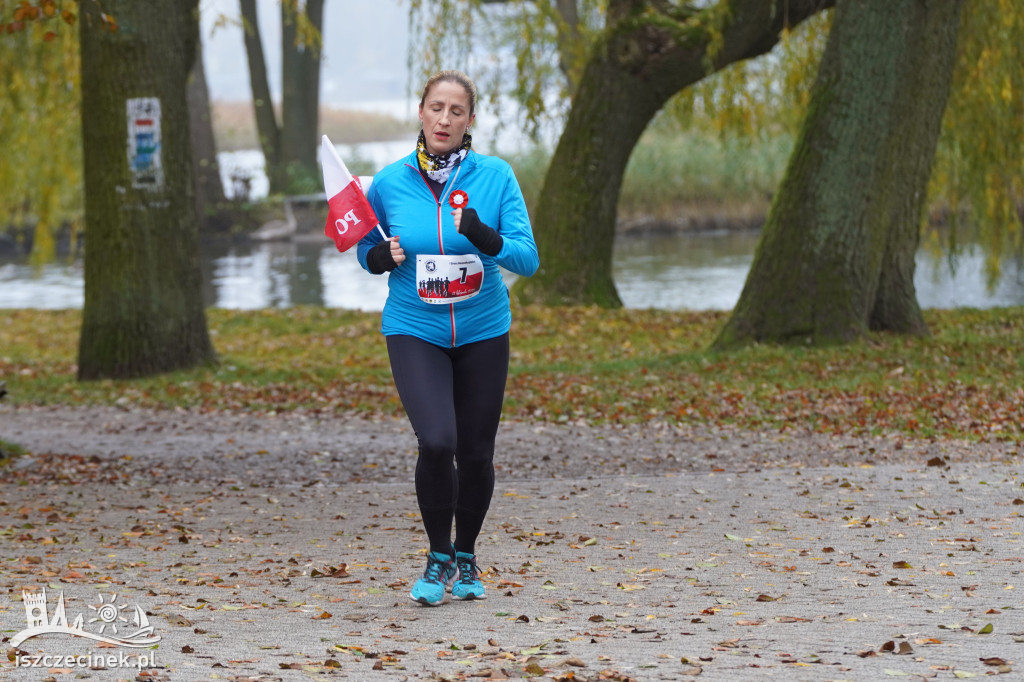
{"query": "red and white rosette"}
[(458, 199)]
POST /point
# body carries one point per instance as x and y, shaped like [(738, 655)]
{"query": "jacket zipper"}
[(440, 239)]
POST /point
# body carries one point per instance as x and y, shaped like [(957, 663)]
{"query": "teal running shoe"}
[(468, 586), (439, 575)]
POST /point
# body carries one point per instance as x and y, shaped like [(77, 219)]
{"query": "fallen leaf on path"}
[(339, 571), (902, 649)]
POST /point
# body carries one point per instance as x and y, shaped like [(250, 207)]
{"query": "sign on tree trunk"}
[(144, 143)]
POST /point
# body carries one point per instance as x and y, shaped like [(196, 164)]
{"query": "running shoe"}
[(468, 586), (436, 578)]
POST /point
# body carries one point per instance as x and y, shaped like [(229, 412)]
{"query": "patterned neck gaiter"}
[(438, 168)]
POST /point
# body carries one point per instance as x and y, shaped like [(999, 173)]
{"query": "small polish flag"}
[(350, 216)]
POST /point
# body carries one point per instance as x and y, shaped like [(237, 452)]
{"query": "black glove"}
[(379, 260), (479, 235)]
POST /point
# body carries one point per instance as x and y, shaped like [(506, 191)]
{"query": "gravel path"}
[(639, 553)]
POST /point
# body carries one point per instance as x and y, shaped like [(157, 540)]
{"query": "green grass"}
[(580, 365), (9, 451)]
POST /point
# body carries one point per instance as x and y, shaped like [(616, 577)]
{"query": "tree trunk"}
[(836, 257), (311, 57), (205, 169), (143, 311), (931, 60), (300, 94), (643, 59), (263, 105), (569, 40)]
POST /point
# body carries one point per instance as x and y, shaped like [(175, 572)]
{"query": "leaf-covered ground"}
[(282, 547), (579, 365), (661, 512)]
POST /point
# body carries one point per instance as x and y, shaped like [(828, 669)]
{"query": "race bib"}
[(448, 279)]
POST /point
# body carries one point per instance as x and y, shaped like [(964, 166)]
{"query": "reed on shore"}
[(671, 175)]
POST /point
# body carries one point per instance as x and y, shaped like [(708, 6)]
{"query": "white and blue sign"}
[(144, 158)]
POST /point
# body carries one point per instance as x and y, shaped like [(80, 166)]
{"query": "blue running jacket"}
[(407, 209)]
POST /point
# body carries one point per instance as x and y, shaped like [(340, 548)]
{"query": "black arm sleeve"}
[(481, 236), (379, 260)]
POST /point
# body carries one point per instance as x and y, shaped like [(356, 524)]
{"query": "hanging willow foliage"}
[(761, 97), (526, 50), (979, 171), (534, 55), (41, 173), (979, 165)]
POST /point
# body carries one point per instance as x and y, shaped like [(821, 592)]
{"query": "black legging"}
[(453, 397)]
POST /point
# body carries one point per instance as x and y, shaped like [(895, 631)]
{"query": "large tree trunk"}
[(300, 93), (644, 58), (205, 169), (836, 257), (263, 106), (143, 311)]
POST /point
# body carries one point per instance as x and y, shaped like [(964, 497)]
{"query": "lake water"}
[(671, 272)]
